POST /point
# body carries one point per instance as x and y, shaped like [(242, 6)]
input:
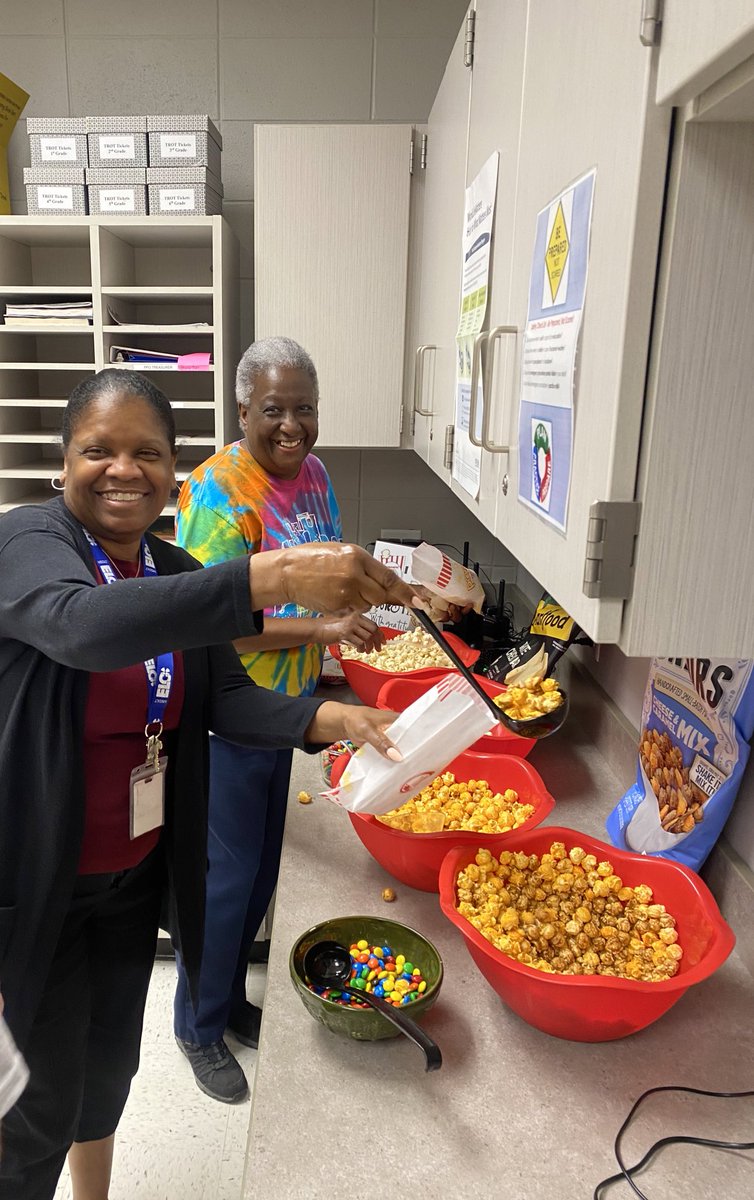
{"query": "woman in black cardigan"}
[(115, 660)]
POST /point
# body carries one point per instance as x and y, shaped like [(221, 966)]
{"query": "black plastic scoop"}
[(328, 965), (532, 727)]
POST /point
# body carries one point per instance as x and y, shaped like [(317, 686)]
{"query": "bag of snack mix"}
[(697, 719), (551, 633)]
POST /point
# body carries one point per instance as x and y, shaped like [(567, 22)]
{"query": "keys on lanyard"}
[(154, 745)]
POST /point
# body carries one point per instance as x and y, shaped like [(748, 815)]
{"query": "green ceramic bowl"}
[(365, 1024)]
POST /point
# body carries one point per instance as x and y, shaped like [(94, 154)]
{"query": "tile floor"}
[(174, 1143)]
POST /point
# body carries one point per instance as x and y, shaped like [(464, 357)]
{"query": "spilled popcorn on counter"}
[(411, 651), (530, 699), (566, 913), (447, 803), (304, 798), (388, 895)]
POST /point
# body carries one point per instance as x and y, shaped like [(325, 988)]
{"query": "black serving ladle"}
[(532, 727), (328, 965)]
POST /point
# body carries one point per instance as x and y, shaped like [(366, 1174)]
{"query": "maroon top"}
[(114, 743)]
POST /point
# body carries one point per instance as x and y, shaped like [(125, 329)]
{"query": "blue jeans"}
[(248, 794)]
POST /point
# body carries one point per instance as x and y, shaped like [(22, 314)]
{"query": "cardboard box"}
[(183, 191), (117, 142), (54, 192), (184, 141), (117, 192)]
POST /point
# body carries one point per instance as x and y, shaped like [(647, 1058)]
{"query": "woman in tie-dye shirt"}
[(263, 492)]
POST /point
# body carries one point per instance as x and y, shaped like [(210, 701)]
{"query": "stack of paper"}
[(66, 313)]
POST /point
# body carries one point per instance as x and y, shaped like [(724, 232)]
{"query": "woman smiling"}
[(115, 660)]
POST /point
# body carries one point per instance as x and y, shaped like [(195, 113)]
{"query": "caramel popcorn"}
[(532, 698), (565, 913), (448, 803)]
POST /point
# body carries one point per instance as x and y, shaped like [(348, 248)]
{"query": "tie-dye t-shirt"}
[(230, 506)]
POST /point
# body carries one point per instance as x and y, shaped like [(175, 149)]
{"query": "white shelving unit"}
[(148, 277)]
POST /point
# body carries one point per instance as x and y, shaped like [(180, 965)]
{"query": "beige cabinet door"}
[(331, 217), (494, 126), (588, 101), (700, 42), (440, 262), (692, 592)]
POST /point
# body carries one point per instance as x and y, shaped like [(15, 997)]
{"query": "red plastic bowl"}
[(399, 692), (366, 681), (597, 1008), (416, 858)]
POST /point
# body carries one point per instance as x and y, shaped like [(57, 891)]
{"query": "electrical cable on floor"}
[(626, 1173)]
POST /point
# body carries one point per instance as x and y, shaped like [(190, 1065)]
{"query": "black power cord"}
[(626, 1173)]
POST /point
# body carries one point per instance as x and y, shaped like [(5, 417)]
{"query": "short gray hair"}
[(268, 354)]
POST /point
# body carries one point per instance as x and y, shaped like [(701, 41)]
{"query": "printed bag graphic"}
[(697, 719)]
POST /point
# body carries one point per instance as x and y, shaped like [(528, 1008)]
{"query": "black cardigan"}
[(56, 626)]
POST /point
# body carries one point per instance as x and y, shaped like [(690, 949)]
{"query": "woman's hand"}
[(439, 610), (337, 722), (328, 577), (355, 629)]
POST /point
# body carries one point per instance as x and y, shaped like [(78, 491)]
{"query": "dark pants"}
[(83, 1050), (247, 800)]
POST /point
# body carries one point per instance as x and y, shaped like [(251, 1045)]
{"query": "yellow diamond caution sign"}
[(557, 251)]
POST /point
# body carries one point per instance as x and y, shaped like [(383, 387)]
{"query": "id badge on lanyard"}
[(147, 783)]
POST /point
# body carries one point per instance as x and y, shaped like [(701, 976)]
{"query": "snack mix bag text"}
[(697, 719)]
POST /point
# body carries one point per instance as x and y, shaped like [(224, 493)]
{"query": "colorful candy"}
[(378, 970)]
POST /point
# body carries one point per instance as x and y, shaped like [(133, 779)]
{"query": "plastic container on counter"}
[(366, 680), (416, 858), (399, 691), (596, 1008)]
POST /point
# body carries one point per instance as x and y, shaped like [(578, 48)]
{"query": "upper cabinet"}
[(588, 103), (330, 252), (700, 43), (663, 364), (437, 293)]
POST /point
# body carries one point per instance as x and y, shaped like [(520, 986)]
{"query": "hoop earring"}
[(57, 484)]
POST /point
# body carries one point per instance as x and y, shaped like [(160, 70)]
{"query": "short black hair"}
[(114, 381)]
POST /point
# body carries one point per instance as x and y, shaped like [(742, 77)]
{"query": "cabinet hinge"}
[(411, 157), (610, 541), (400, 422), (423, 152), (447, 458), (651, 21), (468, 44)]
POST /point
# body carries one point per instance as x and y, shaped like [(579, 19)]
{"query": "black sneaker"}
[(216, 1071), (244, 1024)]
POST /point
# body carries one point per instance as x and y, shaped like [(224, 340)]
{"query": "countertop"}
[(513, 1112)]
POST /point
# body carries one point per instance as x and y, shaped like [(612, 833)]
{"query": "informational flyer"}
[(12, 102), (557, 288), (479, 214), (398, 558)]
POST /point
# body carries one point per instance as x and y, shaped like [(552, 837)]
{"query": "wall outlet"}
[(401, 535)]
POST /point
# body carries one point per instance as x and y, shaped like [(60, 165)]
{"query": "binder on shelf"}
[(134, 357)]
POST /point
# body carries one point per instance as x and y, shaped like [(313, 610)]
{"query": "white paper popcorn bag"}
[(448, 579), (429, 734)]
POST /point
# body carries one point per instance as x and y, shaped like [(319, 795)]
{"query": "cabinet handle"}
[(495, 336), (419, 380), (476, 359)]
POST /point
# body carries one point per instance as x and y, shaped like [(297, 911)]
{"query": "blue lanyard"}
[(160, 670)]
